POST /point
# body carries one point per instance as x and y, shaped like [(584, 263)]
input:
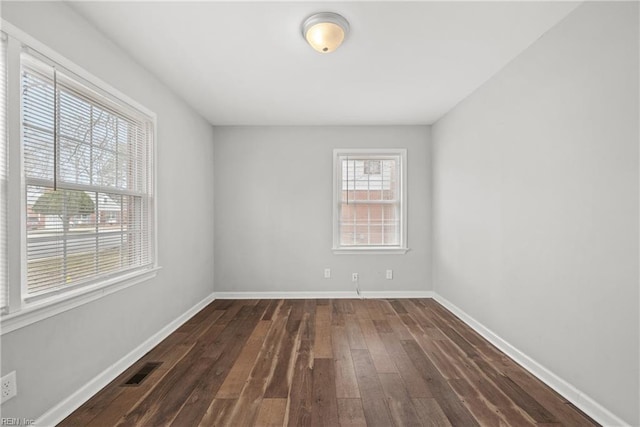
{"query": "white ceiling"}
[(240, 63)]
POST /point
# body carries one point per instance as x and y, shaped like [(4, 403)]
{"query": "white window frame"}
[(23, 310), (339, 153)]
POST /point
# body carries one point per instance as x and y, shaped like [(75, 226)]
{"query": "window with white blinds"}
[(4, 288), (87, 159), (369, 210)]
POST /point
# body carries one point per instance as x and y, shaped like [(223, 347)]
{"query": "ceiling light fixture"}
[(325, 31)]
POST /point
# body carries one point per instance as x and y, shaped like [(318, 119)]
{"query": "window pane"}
[(60, 237), (74, 162), (38, 153), (104, 129), (75, 117), (104, 167)]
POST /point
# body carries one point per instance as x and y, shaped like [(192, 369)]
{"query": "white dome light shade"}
[(325, 31)]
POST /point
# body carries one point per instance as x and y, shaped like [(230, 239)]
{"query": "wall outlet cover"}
[(8, 386)]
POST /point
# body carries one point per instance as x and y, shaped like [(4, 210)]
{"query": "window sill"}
[(372, 251), (33, 312)]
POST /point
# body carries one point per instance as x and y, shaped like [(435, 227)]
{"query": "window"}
[(87, 165), (81, 204), (369, 194)]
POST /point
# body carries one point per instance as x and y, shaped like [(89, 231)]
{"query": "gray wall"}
[(55, 357), (536, 204), (273, 210)]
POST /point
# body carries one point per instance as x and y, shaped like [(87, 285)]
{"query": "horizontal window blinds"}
[(88, 168), (4, 285)]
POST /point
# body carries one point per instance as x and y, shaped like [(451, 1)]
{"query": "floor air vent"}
[(142, 374)]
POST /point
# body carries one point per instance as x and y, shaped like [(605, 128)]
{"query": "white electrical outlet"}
[(354, 277), (9, 386), (389, 274), (327, 273)]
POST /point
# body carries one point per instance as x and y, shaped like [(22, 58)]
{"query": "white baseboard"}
[(568, 391), (397, 294), (59, 412), (323, 295)]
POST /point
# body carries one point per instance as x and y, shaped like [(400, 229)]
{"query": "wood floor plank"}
[(223, 304), (444, 361), (201, 329), (301, 396), (198, 319), (325, 406), (564, 412), (484, 413), (343, 362), (416, 384), (455, 411), (383, 327), (308, 321), (386, 308), (434, 334), (280, 381), (248, 405), (350, 413), (354, 333), (430, 413), (345, 376), (417, 312), (301, 393), (374, 402), (322, 347), (400, 405), (410, 323), (441, 361), (230, 312), (375, 309), (360, 308), (481, 345), (519, 396), (237, 377), (337, 313), (218, 413), (462, 343), (399, 328), (483, 388), (377, 350), (397, 306), (347, 306), (272, 412), (507, 409), (273, 305)]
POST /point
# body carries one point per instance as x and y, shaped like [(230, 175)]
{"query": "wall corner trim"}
[(63, 409), (567, 390)]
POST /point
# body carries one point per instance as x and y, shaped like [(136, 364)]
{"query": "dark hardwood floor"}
[(327, 362)]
